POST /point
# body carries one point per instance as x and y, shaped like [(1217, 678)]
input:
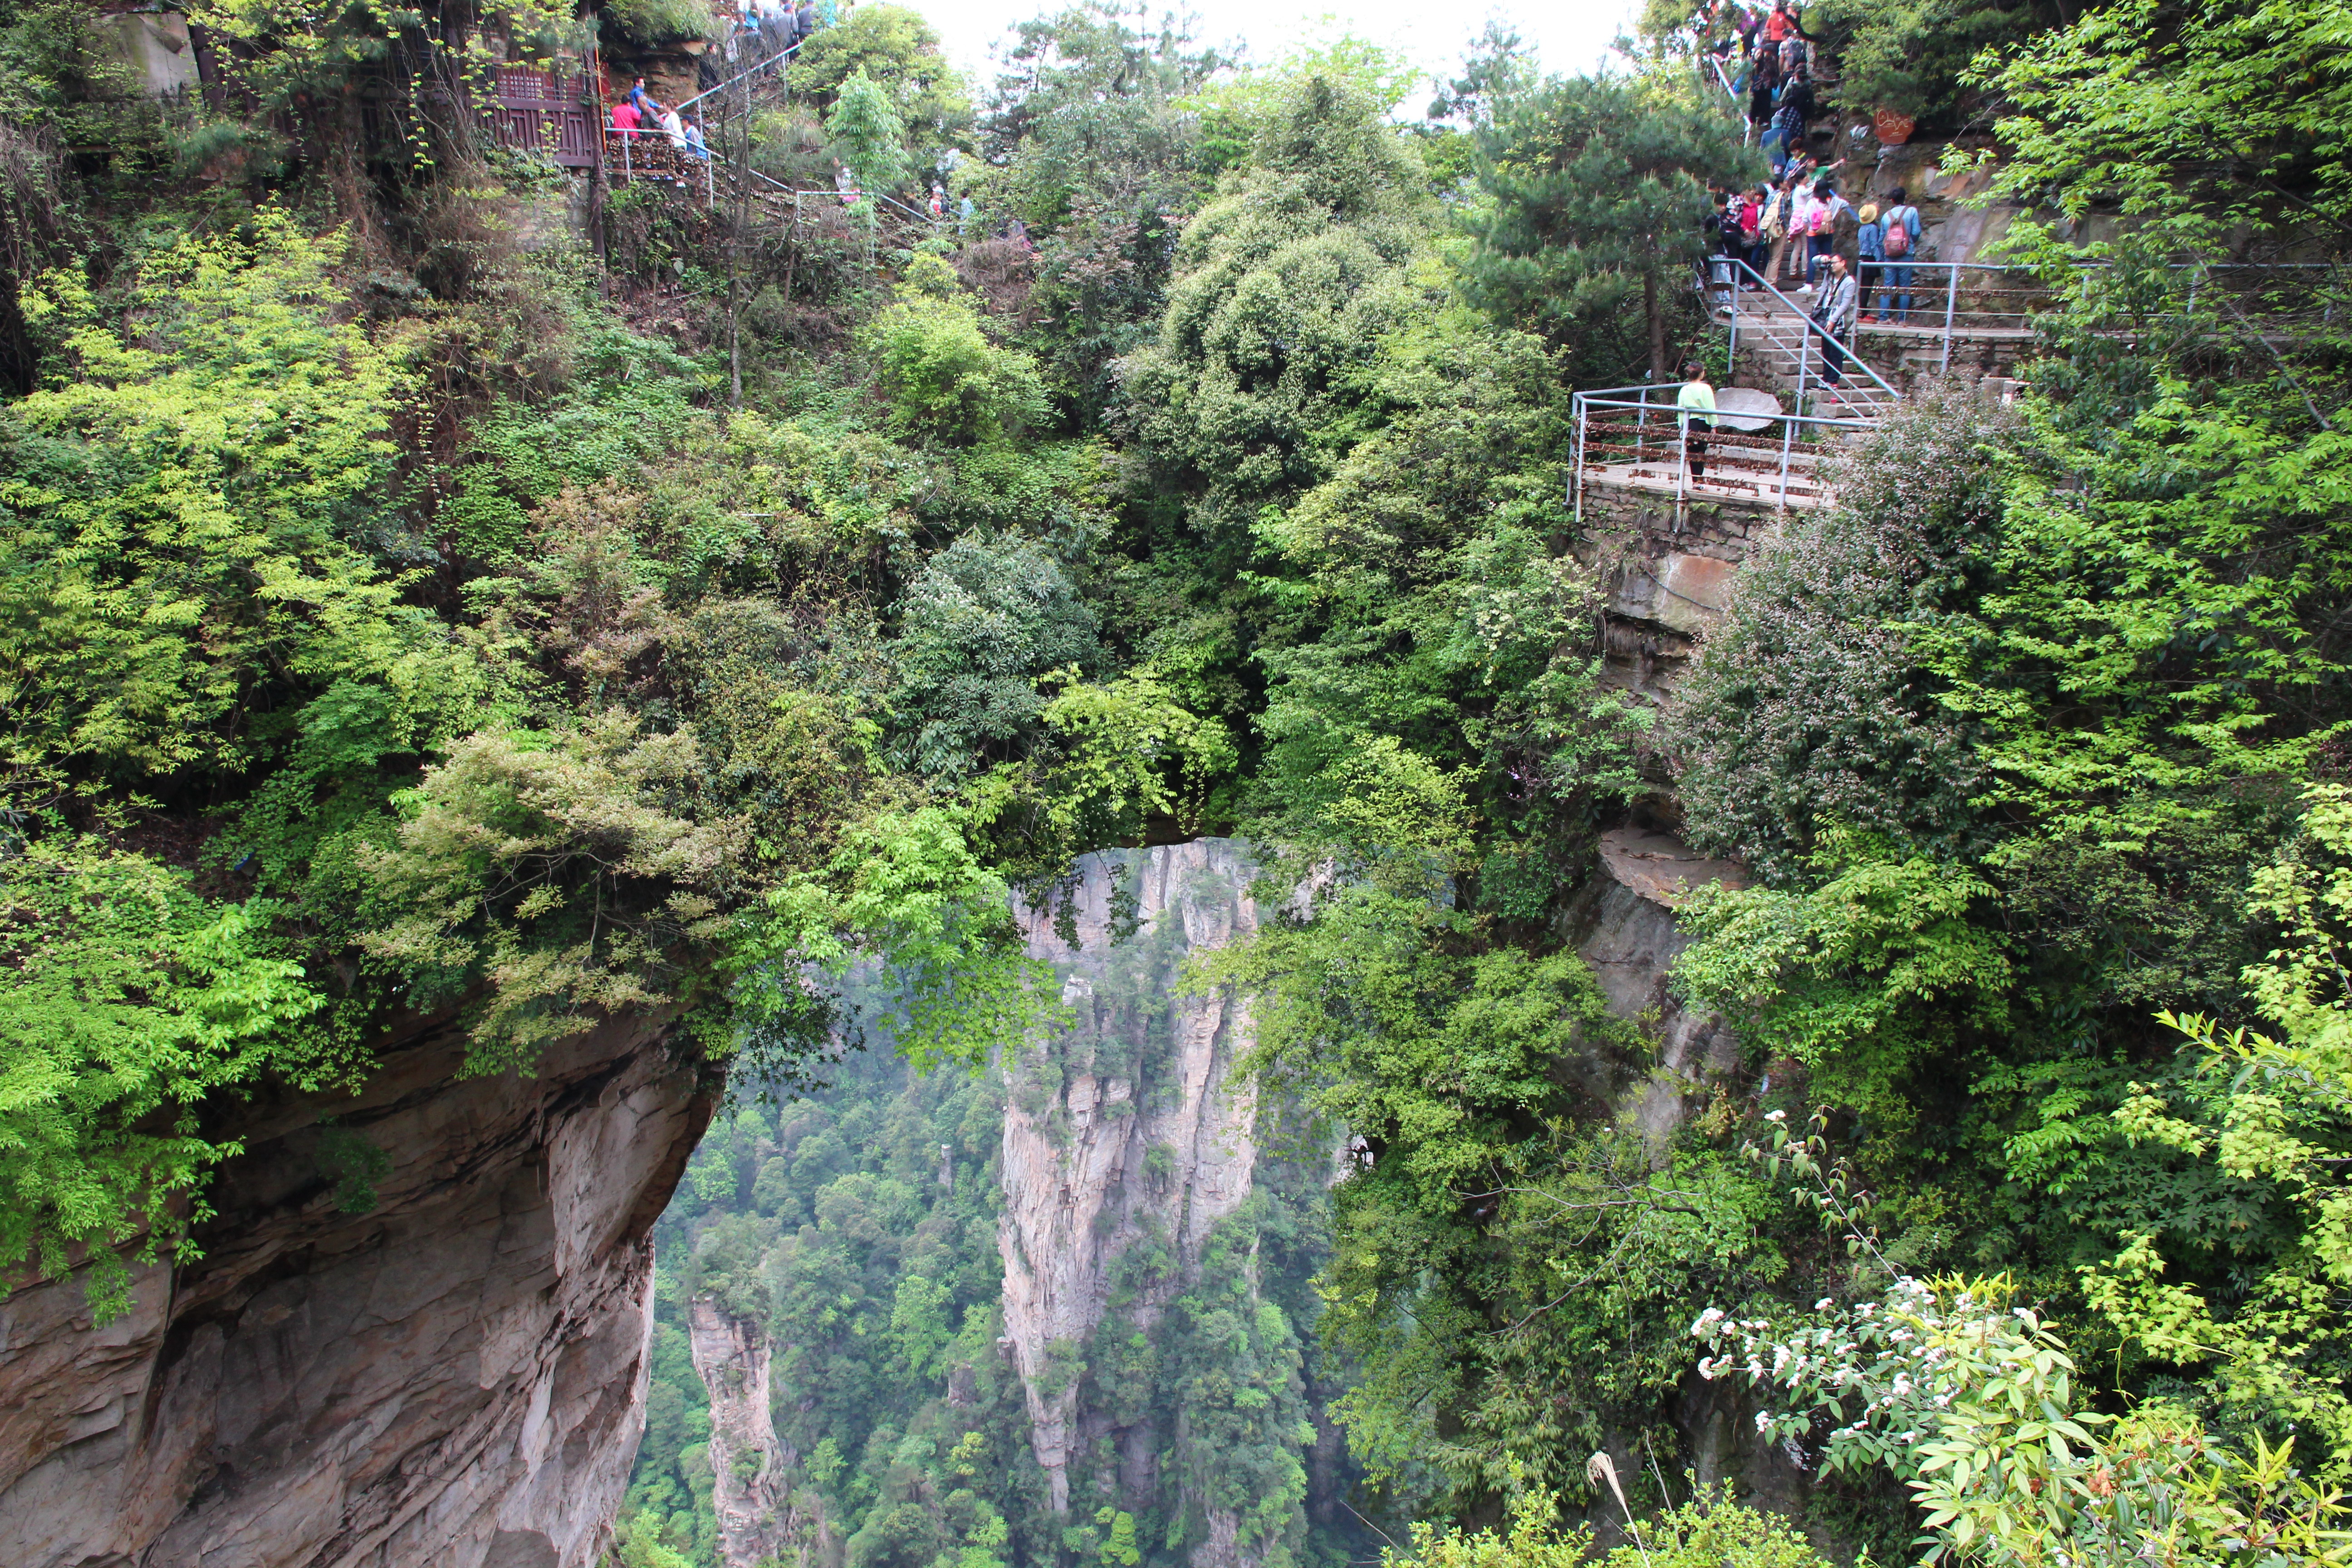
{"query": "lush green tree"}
[(1088, 143), (986, 619), (1282, 288), (898, 51), (1808, 706), (2194, 119), (867, 129), (1598, 186), (944, 378), (191, 500)]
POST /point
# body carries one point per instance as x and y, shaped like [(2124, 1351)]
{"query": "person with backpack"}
[(1869, 253), (1804, 207), (1834, 314), (1832, 232), (1900, 245)]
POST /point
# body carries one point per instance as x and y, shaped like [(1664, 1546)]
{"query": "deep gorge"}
[(767, 799)]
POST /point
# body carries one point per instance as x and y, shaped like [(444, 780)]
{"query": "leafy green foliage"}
[(985, 620), (1282, 287), (2274, 1114), (1809, 705), (897, 52), (187, 503), (1598, 188), (1837, 976), (131, 999), (943, 377), (866, 128), (2179, 115), (1088, 141), (1709, 1530)]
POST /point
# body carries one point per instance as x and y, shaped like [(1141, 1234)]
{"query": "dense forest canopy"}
[(424, 597)]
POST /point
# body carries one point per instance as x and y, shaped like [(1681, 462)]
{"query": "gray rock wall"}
[(452, 1379), (1082, 1182), (755, 1517)]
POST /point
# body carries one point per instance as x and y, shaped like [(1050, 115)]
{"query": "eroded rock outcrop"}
[(1126, 1128), (1624, 927), (453, 1378), (747, 1458)]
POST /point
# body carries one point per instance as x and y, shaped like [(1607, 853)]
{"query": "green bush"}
[(1808, 707), (659, 21), (1710, 1531), (944, 379), (129, 1000), (984, 620)]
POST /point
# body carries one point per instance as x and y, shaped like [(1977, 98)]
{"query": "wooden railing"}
[(538, 110)]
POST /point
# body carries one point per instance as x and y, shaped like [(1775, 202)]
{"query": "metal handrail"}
[(1643, 401), (2003, 310), (1808, 326), (783, 55)]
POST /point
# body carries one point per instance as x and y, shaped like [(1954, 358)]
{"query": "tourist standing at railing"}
[(695, 147), (1727, 243), (673, 127), (1901, 245), (1835, 315), (1870, 251), (626, 119), (1696, 398)]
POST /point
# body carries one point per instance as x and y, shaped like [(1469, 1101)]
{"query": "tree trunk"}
[(734, 272), (1656, 310)]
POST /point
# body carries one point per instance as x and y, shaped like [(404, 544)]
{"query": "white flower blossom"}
[(1763, 1421)]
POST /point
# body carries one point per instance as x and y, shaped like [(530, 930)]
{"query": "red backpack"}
[(1898, 236)]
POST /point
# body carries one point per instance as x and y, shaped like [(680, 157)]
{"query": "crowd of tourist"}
[(763, 31), (1788, 232), (1796, 233), (639, 115)]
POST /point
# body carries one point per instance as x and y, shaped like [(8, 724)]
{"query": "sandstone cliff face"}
[(730, 1356), (1125, 1129), (1625, 930), (452, 1379)]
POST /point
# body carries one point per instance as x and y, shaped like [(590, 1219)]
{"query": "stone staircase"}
[(1773, 332)]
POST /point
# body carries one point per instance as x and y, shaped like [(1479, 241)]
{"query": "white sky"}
[(1566, 34)]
